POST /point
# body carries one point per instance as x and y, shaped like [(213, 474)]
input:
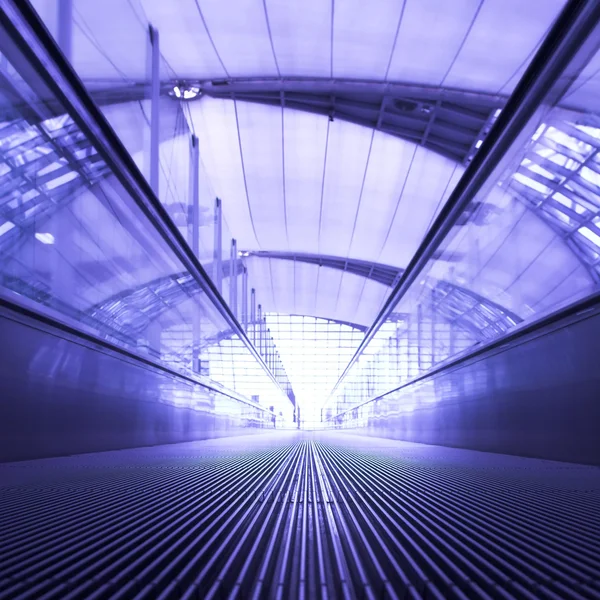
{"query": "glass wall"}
[(527, 244), (76, 244)]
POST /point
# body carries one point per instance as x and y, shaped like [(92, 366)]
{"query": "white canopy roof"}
[(299, 182), (468, 44)]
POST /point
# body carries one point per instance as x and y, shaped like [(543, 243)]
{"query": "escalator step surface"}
[(298, 515)]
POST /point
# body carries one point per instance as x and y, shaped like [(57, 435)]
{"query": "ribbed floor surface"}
[(292, 516)]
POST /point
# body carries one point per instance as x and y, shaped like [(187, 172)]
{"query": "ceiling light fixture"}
[(184, 90)]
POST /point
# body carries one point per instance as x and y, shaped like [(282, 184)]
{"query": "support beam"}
[(420, 337), (218, 247), (433, 328), (253, 306), (194, 239), (259, 325), (194, 206), (233, 278), (153, 77), (245, 298), (253, 314), (65, 28)]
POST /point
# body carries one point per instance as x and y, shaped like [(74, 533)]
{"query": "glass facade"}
[(527, 245), (76, 243), (328, 173)]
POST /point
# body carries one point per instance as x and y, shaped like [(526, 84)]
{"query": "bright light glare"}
[(185, 91), (45, 238)]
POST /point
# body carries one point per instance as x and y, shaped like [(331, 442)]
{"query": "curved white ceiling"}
[(296, 288), (470, 44), (295, 181)]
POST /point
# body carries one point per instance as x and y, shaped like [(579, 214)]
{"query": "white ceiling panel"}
[(401, 178), (331, 191), (472, 44), (109, 48), (305, 140), (328, 290), (306, 279), (282, 282), (261, 142), (184, 41), (430, 36), (347, 157), (351, 290), (301, 33), (389, 164), (216, 127), (503, 37), (364, 34), (373, 294), (240, 34), (427, 183), (317, 291)]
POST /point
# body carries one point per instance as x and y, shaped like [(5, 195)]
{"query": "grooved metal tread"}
[(298, 516)]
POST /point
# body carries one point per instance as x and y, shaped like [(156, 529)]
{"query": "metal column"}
[(153, 67), (194, 207), (259, 322), (65, 28), (194, 237), (63, 276), (218, 247), (433, 327), (419, 337), (245, 298), (233, 278), (253, 314)]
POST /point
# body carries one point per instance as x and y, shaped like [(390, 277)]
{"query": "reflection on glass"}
[(73, 240), (528, 244)]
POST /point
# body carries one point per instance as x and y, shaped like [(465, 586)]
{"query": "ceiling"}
[(332, 130)]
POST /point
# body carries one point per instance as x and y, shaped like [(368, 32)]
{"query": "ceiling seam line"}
[(239, 136), (212, 42), (271, 37), (362, 187), (331, 36), (435, 212), (400, 19), (399, 201), (285, 207), (323, 187), (337, 298), (462, 44)]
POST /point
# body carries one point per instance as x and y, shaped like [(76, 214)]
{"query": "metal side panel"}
[(61, 395), (538, 398)]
